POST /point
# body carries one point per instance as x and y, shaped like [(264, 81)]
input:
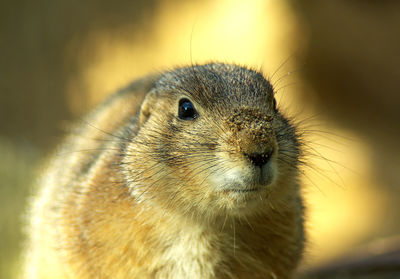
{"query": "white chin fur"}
[(231, 178), (243, 178)]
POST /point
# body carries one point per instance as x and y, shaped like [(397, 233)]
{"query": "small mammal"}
[(191, 173)]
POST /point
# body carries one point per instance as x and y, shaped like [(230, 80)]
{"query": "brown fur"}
[(137, 192)]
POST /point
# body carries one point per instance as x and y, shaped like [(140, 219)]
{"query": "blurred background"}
[(335, 66)]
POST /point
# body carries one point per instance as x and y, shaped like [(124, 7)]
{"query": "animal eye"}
[(186, 110)]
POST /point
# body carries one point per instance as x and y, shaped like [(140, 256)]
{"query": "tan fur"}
[(144, 194)]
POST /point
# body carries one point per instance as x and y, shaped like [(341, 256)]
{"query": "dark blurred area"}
[(379, 259), (35, 69), (350, 61)]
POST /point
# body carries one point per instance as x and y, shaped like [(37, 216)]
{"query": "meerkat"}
[(189, 173)]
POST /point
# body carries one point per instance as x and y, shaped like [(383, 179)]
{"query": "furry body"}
[(140, 193)]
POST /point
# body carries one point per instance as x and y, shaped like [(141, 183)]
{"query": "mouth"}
[(242, 198), (242, 190)]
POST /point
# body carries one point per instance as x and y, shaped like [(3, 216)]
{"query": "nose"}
[(259, 159)]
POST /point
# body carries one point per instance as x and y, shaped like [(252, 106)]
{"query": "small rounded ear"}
[(147, 106)]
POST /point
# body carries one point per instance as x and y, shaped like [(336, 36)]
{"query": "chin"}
[(242, 200), (243, 189)]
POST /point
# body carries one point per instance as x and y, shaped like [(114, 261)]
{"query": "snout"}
[(259, 159)]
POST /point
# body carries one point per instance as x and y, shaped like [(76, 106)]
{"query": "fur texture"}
[(138, 192)]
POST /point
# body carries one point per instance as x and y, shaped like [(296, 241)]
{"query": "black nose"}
[(259, 159)]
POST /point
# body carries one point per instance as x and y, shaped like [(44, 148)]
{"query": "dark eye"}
[(186, 110), (274, 104)]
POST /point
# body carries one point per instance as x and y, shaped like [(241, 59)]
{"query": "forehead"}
[(222, 84)]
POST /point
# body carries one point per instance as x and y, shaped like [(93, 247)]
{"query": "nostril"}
[(259, 159)]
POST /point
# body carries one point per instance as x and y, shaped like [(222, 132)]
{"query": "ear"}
[(147, 107)]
